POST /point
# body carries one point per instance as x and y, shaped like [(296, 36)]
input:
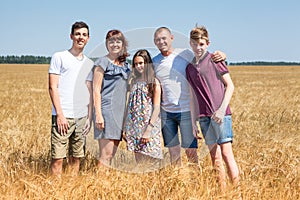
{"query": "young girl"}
[(143, 124), (213, 89)]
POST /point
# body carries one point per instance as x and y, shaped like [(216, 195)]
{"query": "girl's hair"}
[(199, 32), (118, 35), (149, 75)]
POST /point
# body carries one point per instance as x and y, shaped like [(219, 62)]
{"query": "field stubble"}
[(266, 118)]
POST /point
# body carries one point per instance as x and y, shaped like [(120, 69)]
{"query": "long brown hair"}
[(149, 75), (118, 35)]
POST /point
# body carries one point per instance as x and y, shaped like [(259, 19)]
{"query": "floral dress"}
[(138, 117)]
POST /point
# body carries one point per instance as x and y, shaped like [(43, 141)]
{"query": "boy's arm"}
[(194, 109), (88, 123), (220, 113), (193, 106), (62, 123)]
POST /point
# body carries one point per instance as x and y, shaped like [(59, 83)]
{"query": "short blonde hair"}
[(199, 32)]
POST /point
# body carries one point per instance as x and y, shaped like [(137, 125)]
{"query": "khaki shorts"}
[(73, 140)]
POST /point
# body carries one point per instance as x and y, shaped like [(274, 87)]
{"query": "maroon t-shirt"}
[(206, 81)]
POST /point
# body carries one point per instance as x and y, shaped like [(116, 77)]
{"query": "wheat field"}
[(266, 125)]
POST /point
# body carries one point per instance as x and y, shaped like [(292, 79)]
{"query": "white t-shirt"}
[(73, 92), (170, 71)]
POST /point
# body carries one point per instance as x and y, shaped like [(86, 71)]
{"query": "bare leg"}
[(230, 162), (217, 162), (192, 155), (139, 158), (175, 155), (56, 166), (108, 149), (74, 164)]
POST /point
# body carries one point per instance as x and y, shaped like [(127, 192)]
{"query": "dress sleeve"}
[(102, 62)]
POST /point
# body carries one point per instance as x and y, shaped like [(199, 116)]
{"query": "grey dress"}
[(113, 96)]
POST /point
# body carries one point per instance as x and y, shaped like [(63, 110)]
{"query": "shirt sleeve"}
[(222, 68), (90, 76), (55, 64), (187, 71)]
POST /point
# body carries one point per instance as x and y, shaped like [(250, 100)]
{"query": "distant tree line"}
[(25, 59), (281, 63), (29, 59)]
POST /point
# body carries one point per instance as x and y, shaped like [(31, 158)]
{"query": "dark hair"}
[(78, 25), (118, 35), (149, 75)]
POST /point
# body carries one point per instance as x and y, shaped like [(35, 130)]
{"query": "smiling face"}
[(114, 46), (139, 64), (80, 37), (163, 40), (199, 41), (199, 47)]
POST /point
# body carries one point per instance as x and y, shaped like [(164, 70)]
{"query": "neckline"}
[(79, 59)]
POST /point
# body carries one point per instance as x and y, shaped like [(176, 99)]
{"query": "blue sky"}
[(264, 30)]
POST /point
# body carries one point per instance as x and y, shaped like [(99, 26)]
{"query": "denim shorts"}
[(73, 141), (170, 123), (214, 132)]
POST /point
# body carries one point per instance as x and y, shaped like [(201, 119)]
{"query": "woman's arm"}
[(97, 86)]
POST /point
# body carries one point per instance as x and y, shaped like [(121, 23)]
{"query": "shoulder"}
[(222, 67), (59, 54), (187, 54), (156, 81), (101, 62), (157, 85), (88, 60), (190, 70), (156, 58), (56, 62)]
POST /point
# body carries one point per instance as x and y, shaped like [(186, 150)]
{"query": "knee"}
[(217, 159), (56, 162), (175, 150), (227, 156), (107, 155), (191, 152)]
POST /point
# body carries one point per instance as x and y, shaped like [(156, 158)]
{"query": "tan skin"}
[(80, 39), (139, 64), (222, 151), (107, 147), (163, 40)]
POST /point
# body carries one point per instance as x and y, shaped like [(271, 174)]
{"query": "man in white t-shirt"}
[(169, 66), (71, 95)]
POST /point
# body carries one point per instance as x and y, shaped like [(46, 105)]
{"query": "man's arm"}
[(88, 123), (62, 122), (218, 56)]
